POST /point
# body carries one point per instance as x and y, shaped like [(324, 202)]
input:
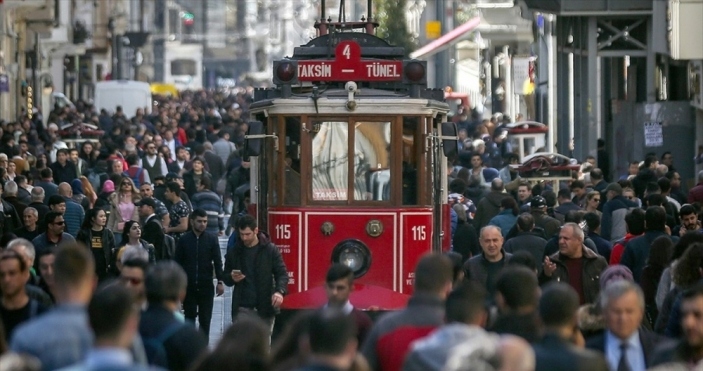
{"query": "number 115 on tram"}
[(348, 158)]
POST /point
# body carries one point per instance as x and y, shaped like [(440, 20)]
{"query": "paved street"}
[(222, 309)]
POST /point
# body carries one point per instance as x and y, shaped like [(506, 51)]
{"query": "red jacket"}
[(619, 249), (390, 338)]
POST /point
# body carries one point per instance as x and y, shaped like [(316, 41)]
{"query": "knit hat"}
[(615, 273), (109, 186)]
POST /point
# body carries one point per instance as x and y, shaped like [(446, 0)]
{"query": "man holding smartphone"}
[(254, 266)]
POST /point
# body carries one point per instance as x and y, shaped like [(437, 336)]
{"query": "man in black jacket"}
[(557, 350), (153, 229), (255, 268), (198, 252), (526, 239)]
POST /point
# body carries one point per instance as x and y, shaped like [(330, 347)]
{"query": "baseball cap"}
[(537, 202), (614, 187), (147, 201)]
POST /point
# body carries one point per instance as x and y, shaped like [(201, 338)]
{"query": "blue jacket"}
[(612, 226), (59, 338), (504, 220), (212, 204), (637, 251), (73, 217), (603, 246)]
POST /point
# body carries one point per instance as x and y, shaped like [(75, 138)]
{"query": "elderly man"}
[(38, 203), (10, 195), (575, 264), (623, 343), (484, 268), (30, 230), (74, 212)]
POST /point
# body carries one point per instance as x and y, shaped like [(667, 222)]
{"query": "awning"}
[(447, 40)]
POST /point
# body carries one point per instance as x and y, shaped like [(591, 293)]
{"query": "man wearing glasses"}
[(154, 165), (54, 235)]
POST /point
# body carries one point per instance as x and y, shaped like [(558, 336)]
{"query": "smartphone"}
[(237, 271)]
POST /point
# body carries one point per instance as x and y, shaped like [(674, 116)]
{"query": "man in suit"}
[(557, 350), (624, 345), (153, 229)]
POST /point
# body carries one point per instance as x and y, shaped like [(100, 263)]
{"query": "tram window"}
[(372, 173), (292, 170), (330, 161), (411, 126)]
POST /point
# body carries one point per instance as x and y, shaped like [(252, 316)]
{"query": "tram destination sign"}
[(348, 66)]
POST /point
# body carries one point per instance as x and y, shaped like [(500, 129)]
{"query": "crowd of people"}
[(111, 255)]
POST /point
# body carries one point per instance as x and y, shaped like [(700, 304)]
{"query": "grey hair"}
[(11, 188), (32, 210), (576, 229), (37, 194), (497, 228), (618, 289), (133, 252), (28, 247)]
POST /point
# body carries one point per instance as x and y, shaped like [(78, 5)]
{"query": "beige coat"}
[(114, 219)]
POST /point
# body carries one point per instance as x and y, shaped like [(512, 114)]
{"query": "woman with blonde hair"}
[(88, 191), (593, 199), (122, 208)]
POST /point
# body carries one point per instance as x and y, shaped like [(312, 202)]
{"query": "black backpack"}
[(154, 346)]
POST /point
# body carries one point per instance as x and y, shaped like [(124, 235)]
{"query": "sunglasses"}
[(58, 223)]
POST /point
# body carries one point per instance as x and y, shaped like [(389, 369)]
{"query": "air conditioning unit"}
[(695, 83)]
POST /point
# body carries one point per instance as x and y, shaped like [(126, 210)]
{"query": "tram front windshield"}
[(371, 174)]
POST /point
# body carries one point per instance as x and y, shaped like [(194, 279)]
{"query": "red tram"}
[(348, 164)]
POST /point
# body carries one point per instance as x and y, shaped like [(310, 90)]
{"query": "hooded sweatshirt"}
[(452, 347), (488, 207)]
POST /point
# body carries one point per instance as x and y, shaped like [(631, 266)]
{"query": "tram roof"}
[(368, 102)]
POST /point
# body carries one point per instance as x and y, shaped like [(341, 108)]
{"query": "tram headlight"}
[(285, 71), (415, 71), (354, 254)]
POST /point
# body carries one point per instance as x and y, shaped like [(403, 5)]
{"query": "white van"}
[(128, 94), (59, 99)]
